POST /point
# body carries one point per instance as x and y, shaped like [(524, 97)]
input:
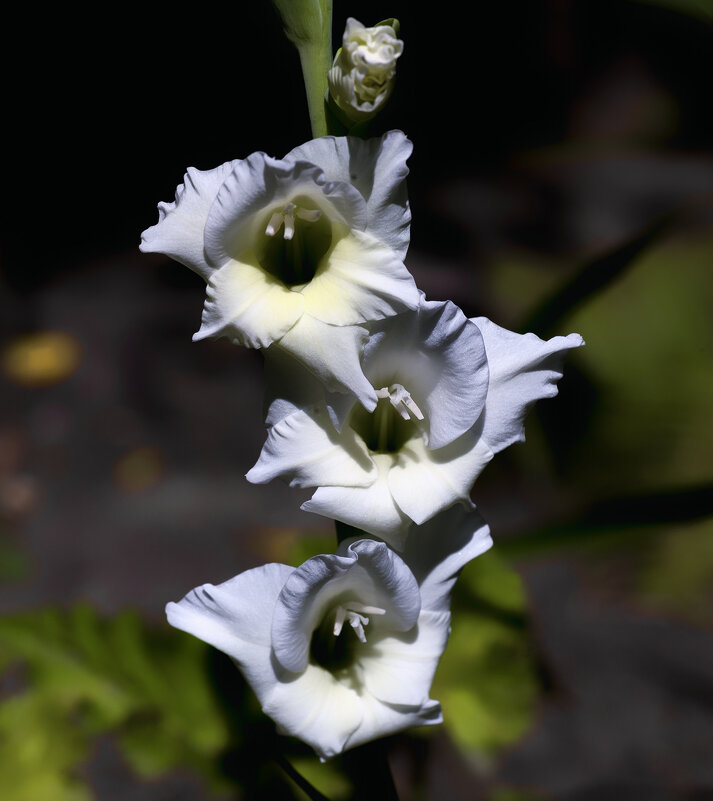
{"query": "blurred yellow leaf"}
[(138, 470), (41, 359)]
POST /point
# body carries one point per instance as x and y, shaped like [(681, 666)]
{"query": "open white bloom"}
[(342, 649), (298, 252), (364, 70), (452, 393)]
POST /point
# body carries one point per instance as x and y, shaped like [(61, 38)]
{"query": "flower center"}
[(392, 424), (354, 613), (335, 652), (287, 216), (294, 255)]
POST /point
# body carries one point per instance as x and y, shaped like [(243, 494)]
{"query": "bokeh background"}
[(561, 180)]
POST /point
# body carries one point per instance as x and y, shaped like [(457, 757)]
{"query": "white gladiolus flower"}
[(364, 70), (343, 649), (452, 393), (298, 252)]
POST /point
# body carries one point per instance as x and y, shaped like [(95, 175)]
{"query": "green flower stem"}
[(308, 25), (311, 792)]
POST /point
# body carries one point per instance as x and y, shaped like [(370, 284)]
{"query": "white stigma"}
[(401, 400), (287, 216), (355, 613)]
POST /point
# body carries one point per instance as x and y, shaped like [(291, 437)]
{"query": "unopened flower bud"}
[(364, 70)]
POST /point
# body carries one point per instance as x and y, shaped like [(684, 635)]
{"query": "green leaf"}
[(677, 575), (487, 681), (649, 348), (87, 675), (605, 521), (14, 562), (39, 752), (590, 279)]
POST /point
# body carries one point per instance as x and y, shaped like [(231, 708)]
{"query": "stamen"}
[(339, 620), (355, 614), (274, 224), (401, 400), (287, 216), (310, 215), (289, 225)]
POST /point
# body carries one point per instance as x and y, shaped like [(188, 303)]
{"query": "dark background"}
[(546, 134)]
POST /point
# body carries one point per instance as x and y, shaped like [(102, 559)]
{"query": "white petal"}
[(260, 183), (377, 168), (438, 355), (317, 708), (523, 369), (306, 450), (359, 279), (381, 719), (331, 353), (236, 618), (179, 231), (370, 508), (248, 305), (424, 482), (368, 572), (399, 669), (438, 550)]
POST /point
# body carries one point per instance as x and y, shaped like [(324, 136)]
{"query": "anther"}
[(355, 614), (401, 400), (287, 216)]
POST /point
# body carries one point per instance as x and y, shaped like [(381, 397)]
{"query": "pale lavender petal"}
[(359, 279), (438, 355), (439, 549), (305, 450), (371, 509), (260, 183), (377, 168), (424, 482), (179, 231), (332, 354), (399, 669), (365, 571), (236, 617), (248, 305), (523, 369)]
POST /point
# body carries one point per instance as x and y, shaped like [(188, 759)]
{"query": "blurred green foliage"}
[(677, 575), (702, 9), (82, 676), (649, 344), (487, 681)]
